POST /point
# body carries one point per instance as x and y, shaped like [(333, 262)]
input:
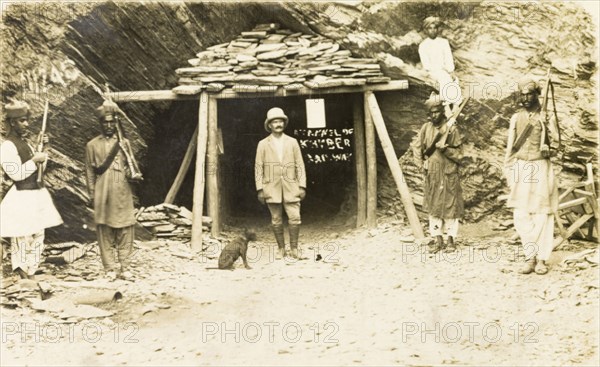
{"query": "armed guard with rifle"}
[(110, 171), (27, 209), (440, 152), (533, 187)]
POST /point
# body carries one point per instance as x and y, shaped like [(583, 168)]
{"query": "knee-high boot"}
[(278, 232), (294, 234)]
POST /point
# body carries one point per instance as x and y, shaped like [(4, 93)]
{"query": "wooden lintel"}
[(168, 95)]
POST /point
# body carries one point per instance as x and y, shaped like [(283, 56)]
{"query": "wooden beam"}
[(183, 169), (198, 201), (572, 218), (572, 203), (168, 95), (392, 159), (150, 96), (360, 161), (212, 168), (371, 156), (572, 229)]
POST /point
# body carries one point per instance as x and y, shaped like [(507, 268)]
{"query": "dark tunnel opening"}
[(173, 131), (328, 155)]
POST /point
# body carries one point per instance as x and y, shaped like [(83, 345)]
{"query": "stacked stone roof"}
[(268, 58)]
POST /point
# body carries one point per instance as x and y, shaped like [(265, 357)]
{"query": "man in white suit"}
[(281, 179)]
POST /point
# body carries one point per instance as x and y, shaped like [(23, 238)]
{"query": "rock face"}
[(66, 53)]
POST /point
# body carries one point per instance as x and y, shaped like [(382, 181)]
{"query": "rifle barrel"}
[(40, 147)]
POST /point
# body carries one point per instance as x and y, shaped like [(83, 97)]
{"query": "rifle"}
[(40, 145), (521, 139), (549, 88), (442, 136), (134, 170), (136, 175)]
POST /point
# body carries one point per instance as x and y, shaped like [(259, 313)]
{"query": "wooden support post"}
[(390, 155), (198, 202), (361, 162), (183, 169), (371, 168), (212, 168)]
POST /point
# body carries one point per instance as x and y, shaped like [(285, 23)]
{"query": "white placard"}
[(315, 113)]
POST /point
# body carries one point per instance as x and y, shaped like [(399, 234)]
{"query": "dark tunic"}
[(111, 191), (443, 194)]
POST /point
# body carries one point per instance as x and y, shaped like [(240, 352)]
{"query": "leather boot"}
[(439, 244), (278, 232), (294, 234), (451, 244)]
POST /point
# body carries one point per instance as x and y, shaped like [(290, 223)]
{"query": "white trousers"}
[(26, 252), (437, 226), (450, 90), (536, 232)]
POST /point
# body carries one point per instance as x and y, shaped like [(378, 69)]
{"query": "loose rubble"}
[(167, 221)]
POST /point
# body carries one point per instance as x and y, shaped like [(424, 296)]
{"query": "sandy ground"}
[(373, 298)]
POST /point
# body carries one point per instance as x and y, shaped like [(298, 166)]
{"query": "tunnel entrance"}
[(327, 154), (174, 129)]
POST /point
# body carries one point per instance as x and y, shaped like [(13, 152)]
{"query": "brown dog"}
[(238, 247)]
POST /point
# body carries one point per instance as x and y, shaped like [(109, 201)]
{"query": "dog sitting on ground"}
[(238, 247)]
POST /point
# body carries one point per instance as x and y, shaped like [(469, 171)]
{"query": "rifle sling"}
[(521, 139), (431, 149), (108, 161)]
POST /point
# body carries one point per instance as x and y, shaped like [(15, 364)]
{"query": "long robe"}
[(530, 176), (442, 193), (533, 187), (27, 209), (111, 191), (24, 212)]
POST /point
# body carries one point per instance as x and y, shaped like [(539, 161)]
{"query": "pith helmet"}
[(275, 113)]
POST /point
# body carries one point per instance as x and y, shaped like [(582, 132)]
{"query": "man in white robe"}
[(533, 187), (27, 209), (436, 58)]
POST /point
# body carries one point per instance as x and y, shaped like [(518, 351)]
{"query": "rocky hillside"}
[(68, 52)]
